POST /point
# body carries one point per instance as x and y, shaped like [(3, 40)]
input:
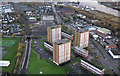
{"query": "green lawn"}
[(47, 66), (11, 54), (43, 40), (6, 42)]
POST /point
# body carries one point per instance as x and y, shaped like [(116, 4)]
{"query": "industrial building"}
[(80, 51), (104, 30), (108, 44), (68, 36), (114, 53), (54, 33), (102, 34), (82, 38), (48, 46), (61, 51), (92, 68)]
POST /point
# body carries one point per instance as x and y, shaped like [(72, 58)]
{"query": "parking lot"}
[(44, 54)]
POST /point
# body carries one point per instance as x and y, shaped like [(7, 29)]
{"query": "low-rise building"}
[(102, 34), (68, 36), (110, 45), (104, 30), (80, 51), (32, 19), (62, 51), (48, 46), (91, 67), (114, 53)]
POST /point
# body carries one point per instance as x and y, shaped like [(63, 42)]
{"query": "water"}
[(102, 8)]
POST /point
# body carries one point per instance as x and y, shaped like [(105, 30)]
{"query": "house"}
[(81, 15), (32, 19)]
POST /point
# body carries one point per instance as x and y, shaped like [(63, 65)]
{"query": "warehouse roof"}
[(62, 41), (104, 30)]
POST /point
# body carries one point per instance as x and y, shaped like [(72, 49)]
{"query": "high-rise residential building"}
[(61, 51), (82, 38), (54, 33)]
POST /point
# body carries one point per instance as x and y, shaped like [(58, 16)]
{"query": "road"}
[(26, 59), (59, 20), (105, 58)]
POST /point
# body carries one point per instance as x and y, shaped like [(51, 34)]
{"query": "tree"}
[(19, 54), (119, 68), (19, 48), (22, 45), (1, 34)]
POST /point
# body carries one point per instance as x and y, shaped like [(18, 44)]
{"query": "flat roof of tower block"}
[(82, 30), (54, 26), (62, 41)]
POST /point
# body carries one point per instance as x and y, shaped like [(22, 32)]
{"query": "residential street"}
[(105, 58)]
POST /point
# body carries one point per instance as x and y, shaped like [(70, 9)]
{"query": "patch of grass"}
[(7, 42), (40, 37), (72, 57), (42, 45), (78, 59), (72, 50), (46, 66), (43, 40), (119, 68), (11, 54)]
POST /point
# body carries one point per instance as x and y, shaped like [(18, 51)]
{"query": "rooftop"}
[(100, 33), (110, 42), (62, 41), (54, 26), (93, 64), (82, 30), (115, 52)]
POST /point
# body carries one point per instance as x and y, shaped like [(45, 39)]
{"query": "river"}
[(102, 8)]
